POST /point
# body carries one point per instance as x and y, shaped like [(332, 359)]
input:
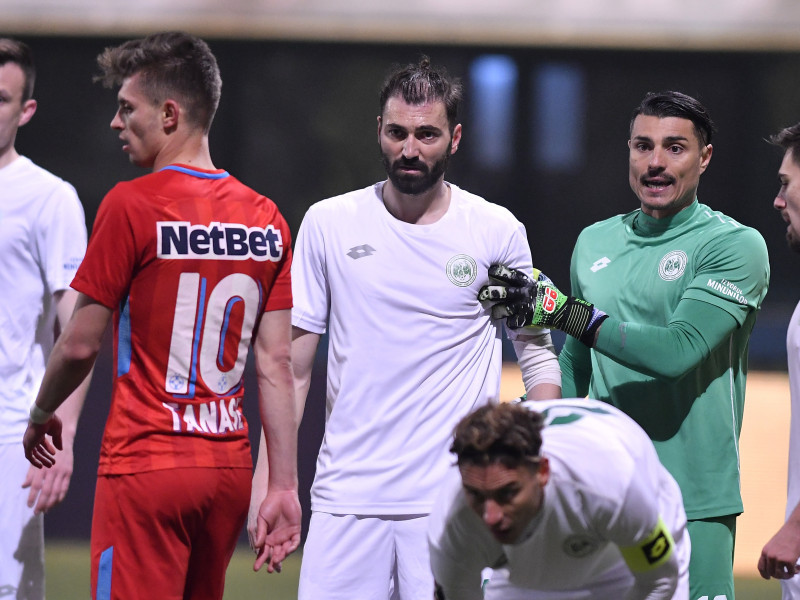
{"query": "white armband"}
[(40, 416)]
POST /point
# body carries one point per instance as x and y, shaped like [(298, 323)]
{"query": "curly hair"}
[(789, 139), (510, 434)]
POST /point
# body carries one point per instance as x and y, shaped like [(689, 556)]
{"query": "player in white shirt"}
[(391, 272), (42, 242), (579, 508), (780, 555)]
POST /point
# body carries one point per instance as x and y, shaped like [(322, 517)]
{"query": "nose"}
[(779, 203), (492, 514), (656, 161), (116, 122), (410, 147)]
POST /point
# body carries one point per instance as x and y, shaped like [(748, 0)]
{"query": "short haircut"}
[(420, 83), (19, 53), (509, 434), (172, 65), (677, 104), (789, 139)]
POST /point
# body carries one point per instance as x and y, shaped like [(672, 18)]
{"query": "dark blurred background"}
[(545, 131)]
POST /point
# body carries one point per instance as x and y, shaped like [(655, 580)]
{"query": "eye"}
[(642, 147), (676, 149)]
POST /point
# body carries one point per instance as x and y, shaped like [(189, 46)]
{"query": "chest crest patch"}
[(578, 546), (462, 270), (672, 265)]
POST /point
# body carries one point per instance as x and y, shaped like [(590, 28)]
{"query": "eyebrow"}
[(670, 139)]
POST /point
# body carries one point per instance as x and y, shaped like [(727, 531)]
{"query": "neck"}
[(192, 151), (7, 157), (417, 209)]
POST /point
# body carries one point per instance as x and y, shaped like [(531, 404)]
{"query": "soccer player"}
[(194, 267), (780, 555), (401, 372), (42, 242), (671, 295), (561, 499)]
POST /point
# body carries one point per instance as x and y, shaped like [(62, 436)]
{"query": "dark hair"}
[(677, 104), (420, 83), (171, 64), (19, 53), (506, 433), (789, 139)]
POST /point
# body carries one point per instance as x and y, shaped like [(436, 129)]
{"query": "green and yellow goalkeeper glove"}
[(525, 302)]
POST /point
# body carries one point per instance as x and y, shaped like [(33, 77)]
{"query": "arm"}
[(49, 486), (779, 557), (278, 519), (575, 360), (537, 361), (695, 329), (304, 349), (70, 364)]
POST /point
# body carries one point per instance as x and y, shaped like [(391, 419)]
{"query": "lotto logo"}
[(218, 241), (549, 300)]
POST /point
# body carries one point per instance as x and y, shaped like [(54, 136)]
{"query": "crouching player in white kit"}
[(562, 499)]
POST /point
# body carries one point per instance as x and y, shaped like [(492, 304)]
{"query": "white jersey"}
[(42, 242), (791, 588), (411, 350), (607, 491)]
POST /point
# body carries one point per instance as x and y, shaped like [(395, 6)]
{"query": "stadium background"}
[(549, 91)]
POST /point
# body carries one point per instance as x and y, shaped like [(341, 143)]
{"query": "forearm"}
[(576, 369), (668, 352), (538, 363)]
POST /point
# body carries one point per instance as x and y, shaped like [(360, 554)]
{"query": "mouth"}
[(657, 184)]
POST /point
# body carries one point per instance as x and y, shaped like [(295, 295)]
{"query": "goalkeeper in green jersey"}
[(663, 302)]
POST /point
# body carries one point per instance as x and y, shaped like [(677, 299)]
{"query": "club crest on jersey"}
[(462, 270), (579, 546), (218, 241), (672, 265)]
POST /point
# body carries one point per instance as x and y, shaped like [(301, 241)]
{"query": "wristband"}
[(39, 416)]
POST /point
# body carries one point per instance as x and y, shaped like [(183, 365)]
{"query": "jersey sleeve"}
[(280, 295), (61, 238), (309, 276), (107, 269), (575, 357), (733, 273)]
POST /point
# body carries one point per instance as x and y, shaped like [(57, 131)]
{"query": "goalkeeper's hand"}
[(526, 302)]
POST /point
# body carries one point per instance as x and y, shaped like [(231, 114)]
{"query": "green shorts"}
[(711, 563)]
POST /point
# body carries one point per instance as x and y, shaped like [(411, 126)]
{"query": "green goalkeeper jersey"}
[(682, 294)]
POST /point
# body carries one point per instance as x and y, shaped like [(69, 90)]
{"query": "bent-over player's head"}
[(502, 472), (677, 104), (170, 65), (19, 53), (789, 139), (420, 83)]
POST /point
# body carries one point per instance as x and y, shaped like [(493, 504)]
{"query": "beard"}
[(421, 181)]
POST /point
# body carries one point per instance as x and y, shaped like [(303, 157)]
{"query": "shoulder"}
[(344, 205), (45, 182), (481, 207), (611, 224)]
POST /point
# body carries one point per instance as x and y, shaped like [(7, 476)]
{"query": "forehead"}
[(428, 114), (492, 476), (655, 128), (131, 88), (789, 167), (12, 79)]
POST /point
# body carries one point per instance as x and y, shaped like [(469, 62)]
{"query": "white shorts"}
[(22, 540), (791, 588), (357, 556)]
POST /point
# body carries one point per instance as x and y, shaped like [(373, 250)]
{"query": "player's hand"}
[(527, 302), (779, 557), (48, 487), (278, 529), (38, 449)]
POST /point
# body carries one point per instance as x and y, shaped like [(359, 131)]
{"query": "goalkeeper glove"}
[(526, 302)]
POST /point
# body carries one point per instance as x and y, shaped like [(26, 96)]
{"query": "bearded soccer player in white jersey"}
[(676, 286), (563, 499), (780, 555), (401, 372), (42, 242)]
